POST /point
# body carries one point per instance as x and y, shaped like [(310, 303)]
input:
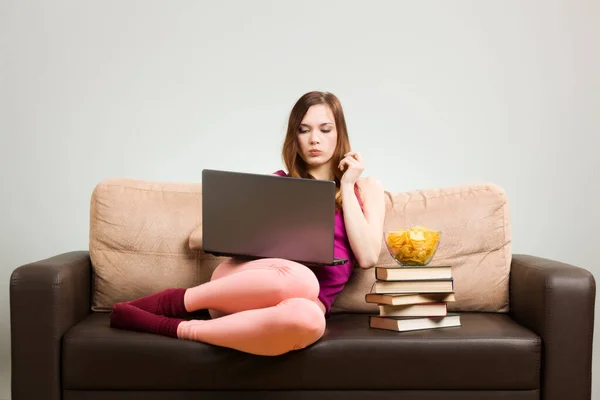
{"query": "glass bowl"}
[(414, 246)]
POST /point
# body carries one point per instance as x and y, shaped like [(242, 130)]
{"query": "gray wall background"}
[(436, 93)]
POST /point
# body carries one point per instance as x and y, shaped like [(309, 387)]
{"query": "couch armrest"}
[(556, 301), (47, 297)]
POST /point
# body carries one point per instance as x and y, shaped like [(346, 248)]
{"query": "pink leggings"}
[(266, 307)]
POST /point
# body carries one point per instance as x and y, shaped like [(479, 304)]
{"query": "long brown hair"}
[(295, 165)]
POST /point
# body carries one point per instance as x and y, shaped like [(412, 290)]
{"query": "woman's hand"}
[(195, 239), (353, 165)]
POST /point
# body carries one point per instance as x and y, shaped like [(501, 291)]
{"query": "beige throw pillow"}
[(475, 241), (139, 239)]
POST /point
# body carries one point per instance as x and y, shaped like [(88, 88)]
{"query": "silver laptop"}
[(251, 216)]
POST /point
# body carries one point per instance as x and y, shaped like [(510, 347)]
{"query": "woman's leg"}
[(240, 286), (292, 324), (237, 286)]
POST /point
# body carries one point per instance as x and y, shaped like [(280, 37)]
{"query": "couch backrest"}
[(139, 234)]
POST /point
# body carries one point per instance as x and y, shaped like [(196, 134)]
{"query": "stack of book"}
[(413, 298)]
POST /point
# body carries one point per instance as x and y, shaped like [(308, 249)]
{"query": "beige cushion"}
[(139, 234), (139, 239), (475, 241)]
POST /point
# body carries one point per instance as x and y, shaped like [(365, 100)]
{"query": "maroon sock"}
[(126, 316), (168, 302)]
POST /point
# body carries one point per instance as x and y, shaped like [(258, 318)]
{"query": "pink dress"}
[(332, 279)]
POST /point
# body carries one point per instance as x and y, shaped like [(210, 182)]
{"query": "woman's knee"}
[(294, 280), (286, 279), (304, 320)]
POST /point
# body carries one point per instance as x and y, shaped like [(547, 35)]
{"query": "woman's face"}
[(317, 136)]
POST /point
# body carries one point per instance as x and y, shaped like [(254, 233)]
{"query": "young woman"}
[(272, 306)]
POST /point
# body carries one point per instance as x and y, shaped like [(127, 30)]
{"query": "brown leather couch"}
[(542, 349)]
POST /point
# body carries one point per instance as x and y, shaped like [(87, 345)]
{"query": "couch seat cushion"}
[(489, 351)]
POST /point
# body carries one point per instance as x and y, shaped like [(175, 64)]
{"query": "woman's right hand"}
[(195, 240)]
